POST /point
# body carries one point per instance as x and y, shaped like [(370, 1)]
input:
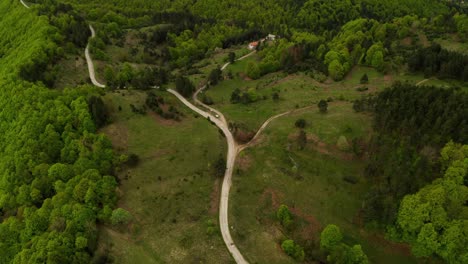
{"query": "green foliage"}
[(252, 70), (184, 86), (364, 79), (244, 97), (98, 111), (330, 237), (120, 217), (220, 166), (323, 106), (404, 149), (336, 70), (339, 252), (434, 219), (53, 165), (293, 250), (215, 76), (300, 123), (284, 216), (232, 57)]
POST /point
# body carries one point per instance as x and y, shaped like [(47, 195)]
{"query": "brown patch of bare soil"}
[(315, 143), (407, 41), (274, 195), (214, 198), (160, 120), (314, 227), (118, 134), (242, 136)]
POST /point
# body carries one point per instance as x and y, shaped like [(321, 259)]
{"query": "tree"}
[(431, 218), (252, 70), (300, 123), (120, 216), (98, 111), (275, 96), (220, 166), (336, 70), (184, 86), (364, 79), (323, 106), (293, 250), (378, 61), (284, 216), (133, 160), (330, 237), (215, 76), (81, 242), (232, 57), (236, 96), (110, 76)]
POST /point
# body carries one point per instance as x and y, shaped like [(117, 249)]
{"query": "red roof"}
[(255, 43)]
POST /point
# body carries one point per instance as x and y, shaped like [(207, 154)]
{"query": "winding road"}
[(233, 150), (231, 159), (89, 61), (195, 95)]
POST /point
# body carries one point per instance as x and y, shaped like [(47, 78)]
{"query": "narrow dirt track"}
[(231, 160), (89, 61), (233, 150), (25, 5)]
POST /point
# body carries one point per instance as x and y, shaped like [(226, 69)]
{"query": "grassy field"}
[(453, 45), (172, 193), (72, 72), (310, 182), (295, 91), (299, 90), (217, 60)]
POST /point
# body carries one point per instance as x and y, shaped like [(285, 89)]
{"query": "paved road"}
[(89, 61), (231, 159)]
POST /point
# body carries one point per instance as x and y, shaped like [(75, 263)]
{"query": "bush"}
[(300, 123), (330, 237), (120, 216), (342, 143), (323, 106), (364, 79), (362, 89), (133, 160), (284, 215), (293, 250)]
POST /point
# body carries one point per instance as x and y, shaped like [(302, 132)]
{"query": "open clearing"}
[(311, 182), (172, 193)]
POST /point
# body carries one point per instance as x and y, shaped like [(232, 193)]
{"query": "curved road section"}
[(195, 95), (25, 5), (231, 159), (89, 61)]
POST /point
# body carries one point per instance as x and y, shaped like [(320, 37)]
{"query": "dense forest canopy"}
[(54, 168), (56, 182)]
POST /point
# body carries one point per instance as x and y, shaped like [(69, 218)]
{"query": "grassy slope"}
[(295, 90), (316, 192), (170, 192)]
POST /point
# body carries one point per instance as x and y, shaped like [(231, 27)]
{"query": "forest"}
[(59, 172), (56, 179)]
